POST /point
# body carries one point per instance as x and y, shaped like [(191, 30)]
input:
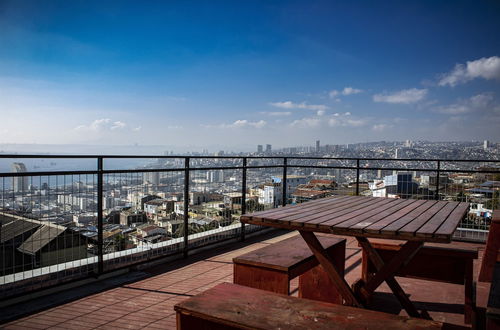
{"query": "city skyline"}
[(240, 75)]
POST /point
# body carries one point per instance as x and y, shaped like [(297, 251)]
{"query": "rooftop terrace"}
[(145, 298)]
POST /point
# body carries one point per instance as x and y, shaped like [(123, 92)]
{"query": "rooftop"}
[(145, 298)]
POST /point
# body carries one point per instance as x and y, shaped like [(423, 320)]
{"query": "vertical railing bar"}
[(243, 196), (100, 226), (357, 177), (283, 182), (186, 206), (437, 179)]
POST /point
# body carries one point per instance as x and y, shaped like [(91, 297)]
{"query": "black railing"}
[(353, 183)]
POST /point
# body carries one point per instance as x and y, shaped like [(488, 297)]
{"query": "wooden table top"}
[(390, 218)]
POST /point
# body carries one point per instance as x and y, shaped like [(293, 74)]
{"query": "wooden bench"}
[(272, 268), (491, 253), (493, 308), (231, 306), (490, 272), (435, 262)]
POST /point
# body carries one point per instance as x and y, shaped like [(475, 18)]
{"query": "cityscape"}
[(141, 209)]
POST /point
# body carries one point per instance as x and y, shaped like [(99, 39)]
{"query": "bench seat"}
[(230, 306), (493, 308), (272, 268)]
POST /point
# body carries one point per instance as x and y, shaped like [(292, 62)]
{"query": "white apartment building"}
[(20, 183)]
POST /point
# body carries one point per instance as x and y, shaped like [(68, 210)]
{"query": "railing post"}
[(186, 206), (283, 182), (357, 177), (437, 179), (100, 226), (243, 196)]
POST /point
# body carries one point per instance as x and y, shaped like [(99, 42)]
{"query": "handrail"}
[(241, 157)]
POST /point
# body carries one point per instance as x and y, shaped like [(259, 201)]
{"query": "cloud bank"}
[(486, 68), (303, 105), (405, 96)]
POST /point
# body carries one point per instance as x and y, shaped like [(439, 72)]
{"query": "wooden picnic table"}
[(416, 221)]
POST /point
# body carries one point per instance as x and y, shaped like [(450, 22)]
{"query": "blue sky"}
[(237, 74)]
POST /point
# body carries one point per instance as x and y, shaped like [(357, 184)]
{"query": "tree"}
[(494, 202), (194, 228), (461, 197), (254, 206), (120, 242)]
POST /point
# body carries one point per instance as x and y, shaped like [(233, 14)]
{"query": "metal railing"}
[(71, 252)]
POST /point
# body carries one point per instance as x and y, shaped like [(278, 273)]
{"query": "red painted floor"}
[(149, 303)]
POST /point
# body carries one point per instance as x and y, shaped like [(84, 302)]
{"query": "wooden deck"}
[(148, 302)]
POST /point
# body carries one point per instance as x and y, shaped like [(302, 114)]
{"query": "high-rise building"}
[(19, 183), (317, 145), (260, 148), (486, 145), (268, 148), (215, 176), (152, 177)]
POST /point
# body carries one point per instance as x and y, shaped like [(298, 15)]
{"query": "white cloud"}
[(277, 113), (486, 68), (306, 122), (334, 120), (118, 125), (240, 123), (381, 127), (351, 91), (405, 96), (137, 129), (481, 100), (333, 93), (102, 125), (475, 103), (354, 122), (303, 105), (345, 92), (320, 113), (453, 109), (96, 125), (259, 124)]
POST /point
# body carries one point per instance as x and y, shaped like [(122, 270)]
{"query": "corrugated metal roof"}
[(318, 181), (308, 193), (12, 227), (40, 238)]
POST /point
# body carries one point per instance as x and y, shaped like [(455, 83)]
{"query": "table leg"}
[(328, 265), (385, 272)]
